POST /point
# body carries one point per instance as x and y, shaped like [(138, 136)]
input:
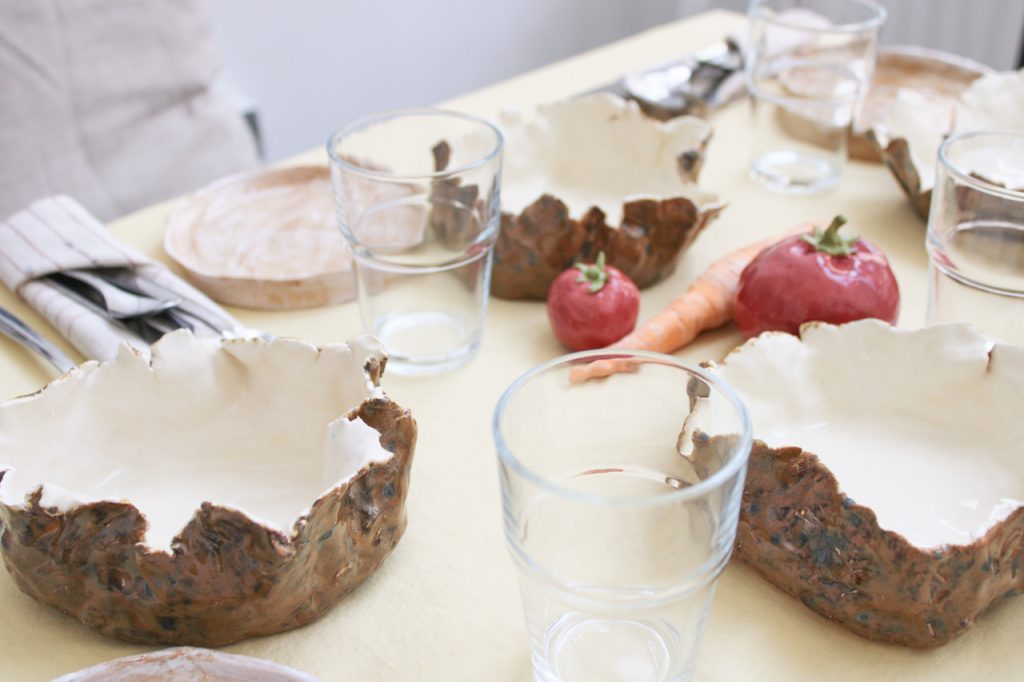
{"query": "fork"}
[(185, 314), (95, 292), (134, 282)]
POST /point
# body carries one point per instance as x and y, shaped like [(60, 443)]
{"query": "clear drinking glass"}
[(621, 497), (417, 200), (809, 63), (976, 234)]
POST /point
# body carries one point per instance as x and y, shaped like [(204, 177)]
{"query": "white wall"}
[(986, 30), (310, 66)]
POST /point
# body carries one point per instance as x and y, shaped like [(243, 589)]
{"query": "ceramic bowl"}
[(938, 78), (885, 486), (219, 491), (595, 174), (911, 130)]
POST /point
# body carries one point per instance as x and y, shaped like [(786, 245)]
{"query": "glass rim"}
[(697, 490), (945, 162), (364, 122), (756, 9)]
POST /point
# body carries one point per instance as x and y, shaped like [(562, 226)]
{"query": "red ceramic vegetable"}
[(820, 276), (592, 306)]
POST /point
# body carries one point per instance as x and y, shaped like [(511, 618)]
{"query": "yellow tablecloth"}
[(445, 605)]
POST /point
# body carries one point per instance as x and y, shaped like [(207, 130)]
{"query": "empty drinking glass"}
[(621, 497), (417, 200), (976, 234), (809, 63)]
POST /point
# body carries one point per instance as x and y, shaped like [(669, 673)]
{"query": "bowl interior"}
[(254, 425), (918, 426), (597, 151)]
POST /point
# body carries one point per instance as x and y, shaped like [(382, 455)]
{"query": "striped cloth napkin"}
[(57, 234)]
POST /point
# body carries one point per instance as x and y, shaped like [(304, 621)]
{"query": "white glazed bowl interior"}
[(599, 151), (257, 426), (924, 427)]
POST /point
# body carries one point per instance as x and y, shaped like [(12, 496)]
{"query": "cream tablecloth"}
[(445, 605)]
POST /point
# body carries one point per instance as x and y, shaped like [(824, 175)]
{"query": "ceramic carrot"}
[(707, 304)]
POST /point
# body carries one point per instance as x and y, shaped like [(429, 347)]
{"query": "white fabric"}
[(110, 102), (57, 234)]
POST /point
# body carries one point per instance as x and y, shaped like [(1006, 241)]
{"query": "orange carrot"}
[(707, 304)]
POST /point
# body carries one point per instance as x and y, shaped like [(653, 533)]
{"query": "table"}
[(445, 605)]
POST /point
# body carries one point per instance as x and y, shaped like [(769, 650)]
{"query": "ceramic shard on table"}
[(885, 485), (222, 491), (595, 174)]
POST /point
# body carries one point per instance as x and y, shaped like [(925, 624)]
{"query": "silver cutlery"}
[(114, 302), (12, 327), (185, 313), (145, 308), (693, 84)]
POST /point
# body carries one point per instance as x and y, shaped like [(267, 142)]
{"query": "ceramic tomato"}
[(591, 306), (821, 276)]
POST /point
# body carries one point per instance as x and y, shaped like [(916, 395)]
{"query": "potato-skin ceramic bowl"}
[(909, 135), (595, 174), (866, 523), (290, 460)]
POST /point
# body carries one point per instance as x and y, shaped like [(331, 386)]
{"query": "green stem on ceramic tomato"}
[(594, 276), (829, 241)]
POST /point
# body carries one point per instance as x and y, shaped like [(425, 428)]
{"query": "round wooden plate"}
[(265, 239)]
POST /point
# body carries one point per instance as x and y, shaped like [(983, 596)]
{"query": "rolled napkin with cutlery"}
[(94, 290)]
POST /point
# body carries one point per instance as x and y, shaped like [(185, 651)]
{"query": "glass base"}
[(795, 172), (424, 343), (581, 648)]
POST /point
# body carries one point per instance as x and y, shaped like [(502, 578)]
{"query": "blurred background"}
[(123, 103), (307, 67)]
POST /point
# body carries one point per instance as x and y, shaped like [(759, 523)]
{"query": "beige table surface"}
[(445, 605)]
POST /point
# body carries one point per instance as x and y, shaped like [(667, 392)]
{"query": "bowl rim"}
[(965, 177), (338, 161)]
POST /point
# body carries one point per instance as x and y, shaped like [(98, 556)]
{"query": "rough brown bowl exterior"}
[(542, 241), (896, 155), (801, 533), (228, 578)]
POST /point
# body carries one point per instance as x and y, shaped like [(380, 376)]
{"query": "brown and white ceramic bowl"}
[(885, 488), (910, 132), (595, 174), (221, 490), (939, 78)]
